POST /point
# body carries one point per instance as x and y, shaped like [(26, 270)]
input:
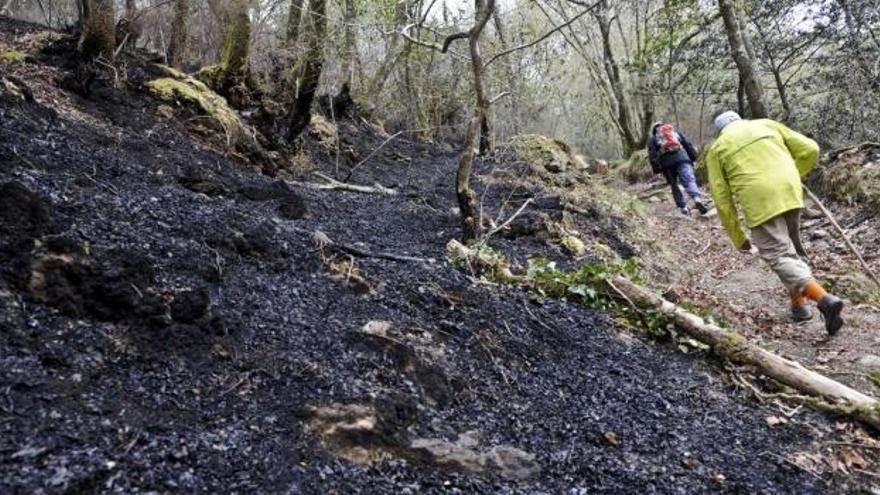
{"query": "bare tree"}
[(467, 201), (177, 46), (300, 112), (745, 63)]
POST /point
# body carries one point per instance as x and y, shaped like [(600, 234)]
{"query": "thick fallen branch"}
[(324, 242), (843, 235), (332, 183), (735, 347)]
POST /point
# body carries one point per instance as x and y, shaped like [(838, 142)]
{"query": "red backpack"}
[(667, 138)]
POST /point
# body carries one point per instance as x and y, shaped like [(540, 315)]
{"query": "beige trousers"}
[(778, 243)]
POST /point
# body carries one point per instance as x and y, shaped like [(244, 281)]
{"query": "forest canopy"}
[(594, 73)]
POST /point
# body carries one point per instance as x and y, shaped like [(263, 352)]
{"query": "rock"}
[(869, 361), (463, 455), (819, 234)]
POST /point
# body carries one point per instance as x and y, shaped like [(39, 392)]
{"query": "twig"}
[(358, 164), (498, 97), (332, 183), (507, 222), (236, 385), (842, 233), (705, 248), (324, 242), (853, 444), (121, 45), (789, 461)]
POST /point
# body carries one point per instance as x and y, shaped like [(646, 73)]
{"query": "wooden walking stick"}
[(840, 231)]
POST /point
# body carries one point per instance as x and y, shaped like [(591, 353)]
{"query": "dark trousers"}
[(682, 173)]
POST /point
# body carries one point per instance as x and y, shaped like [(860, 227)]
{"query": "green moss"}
[(180, 87), (552, 155), (13, 57), (574, 245), (733, 346)]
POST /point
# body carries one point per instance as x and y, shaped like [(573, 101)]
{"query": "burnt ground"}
[(169, 325)]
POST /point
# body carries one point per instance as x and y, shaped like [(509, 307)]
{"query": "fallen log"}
[(738, 350)]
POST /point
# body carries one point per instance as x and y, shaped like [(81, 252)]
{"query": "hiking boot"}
[(685, 211), (831, 306), (801, 312), (701, 206)]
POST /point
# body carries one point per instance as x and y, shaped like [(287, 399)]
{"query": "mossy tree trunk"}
[(177, 46), (236, 41), (301, 109), (98, 37)]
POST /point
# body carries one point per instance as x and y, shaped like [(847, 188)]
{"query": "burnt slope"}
[(165, 327)]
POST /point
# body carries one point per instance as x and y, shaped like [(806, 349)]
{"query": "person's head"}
[(725, 119)]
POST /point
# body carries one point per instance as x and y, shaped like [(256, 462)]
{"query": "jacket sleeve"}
[(652, 155), (689, 148), (723, 199), (804, 150)]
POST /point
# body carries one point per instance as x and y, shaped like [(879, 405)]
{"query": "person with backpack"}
[(761, 164), (672, 154)]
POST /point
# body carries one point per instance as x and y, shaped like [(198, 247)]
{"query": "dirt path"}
[(741, 290)]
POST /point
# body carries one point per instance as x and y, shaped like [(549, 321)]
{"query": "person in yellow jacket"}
[(761, 164)]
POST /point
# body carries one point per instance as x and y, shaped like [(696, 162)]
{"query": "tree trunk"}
[(467, 201), (177, 46), (745, 64), (98, 38), (739, 351), (300, 113), (612, 70), (392, 54), (741, 106), (236, 41), (294, 19), (349, 59)]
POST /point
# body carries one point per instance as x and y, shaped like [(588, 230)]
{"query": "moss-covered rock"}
[(573, 245), (552, 155), (851, 175), (181, 88), (13, 57)]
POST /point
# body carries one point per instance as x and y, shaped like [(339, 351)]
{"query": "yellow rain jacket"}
[(761, 163)]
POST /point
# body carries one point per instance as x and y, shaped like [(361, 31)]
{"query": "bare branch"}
[(542, 38), (434, 46), (452, 37)]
